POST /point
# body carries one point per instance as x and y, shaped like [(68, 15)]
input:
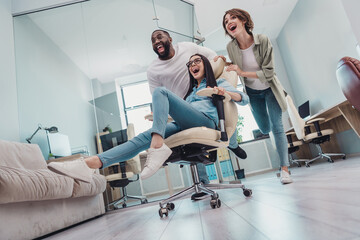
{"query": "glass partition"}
[(82, 69), (52, 84)]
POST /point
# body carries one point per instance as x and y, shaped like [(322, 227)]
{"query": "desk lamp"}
[(52, 129)]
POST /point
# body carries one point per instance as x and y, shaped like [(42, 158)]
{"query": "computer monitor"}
[(113, 139), (304, 110), (59, 144)]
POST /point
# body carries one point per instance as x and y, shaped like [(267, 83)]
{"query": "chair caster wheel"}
[(170, 206), (215, 203), (215, 196), (144, 201), (344, 157), (163, 211), (247, 192), (124, 205), (331, 161), (307, 165)]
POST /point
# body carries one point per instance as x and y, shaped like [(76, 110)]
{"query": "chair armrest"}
[(209, 92), (290, 133), (218, 101), (315, 120), (316, 125)]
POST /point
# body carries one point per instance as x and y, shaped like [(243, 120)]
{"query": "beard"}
[(166, 52)]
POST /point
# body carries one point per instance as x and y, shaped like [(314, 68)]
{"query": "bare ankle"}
[(93, 162), (157, 141)]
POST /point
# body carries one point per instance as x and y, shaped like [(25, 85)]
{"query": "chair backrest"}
[(132, 165), (348, 76), (297, 122), (231, 112)]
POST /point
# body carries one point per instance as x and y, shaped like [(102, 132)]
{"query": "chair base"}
[(124, 199), (166, 205), (321, 156)]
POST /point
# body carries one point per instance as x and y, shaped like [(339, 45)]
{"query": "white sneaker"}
[(285, 177), (76, 169), (155, 159)]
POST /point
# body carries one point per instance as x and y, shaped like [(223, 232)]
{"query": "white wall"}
[(352, 8), (9, 125), (315, 37)]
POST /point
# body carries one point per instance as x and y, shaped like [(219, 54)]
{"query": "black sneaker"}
[(239, 152), (198, 196)]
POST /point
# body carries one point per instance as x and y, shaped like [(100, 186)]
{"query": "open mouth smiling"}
[(232, 27), (160, 48), (195, 70)]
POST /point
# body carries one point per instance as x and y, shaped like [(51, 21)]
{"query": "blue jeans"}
[(164, 103), (268, 116)]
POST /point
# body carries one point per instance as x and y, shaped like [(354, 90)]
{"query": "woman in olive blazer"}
[(252, 58)]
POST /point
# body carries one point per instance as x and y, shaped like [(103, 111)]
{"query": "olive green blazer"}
[(263, 51)]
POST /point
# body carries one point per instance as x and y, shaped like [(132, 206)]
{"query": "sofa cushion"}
[(18, 185), (96, 186), (21, 155)]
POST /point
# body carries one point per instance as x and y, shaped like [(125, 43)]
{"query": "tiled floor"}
[(322, 203)]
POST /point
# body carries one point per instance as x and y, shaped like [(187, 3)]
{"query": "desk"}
[(340, 117), (67, 158)]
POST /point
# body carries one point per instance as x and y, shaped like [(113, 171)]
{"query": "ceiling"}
[(109, 39)]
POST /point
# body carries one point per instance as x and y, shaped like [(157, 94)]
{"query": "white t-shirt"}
[(173, 73), (249, 64)]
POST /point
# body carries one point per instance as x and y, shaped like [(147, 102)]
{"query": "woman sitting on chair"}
[(201, 109)]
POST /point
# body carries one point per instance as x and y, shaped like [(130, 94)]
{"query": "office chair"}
[(293, 146), (199, 144), (122, 179), (303, 132), (348, 76)]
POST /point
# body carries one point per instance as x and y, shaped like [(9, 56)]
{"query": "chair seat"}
[(295, 143), (117, 176), (200, 135), (315, 134)]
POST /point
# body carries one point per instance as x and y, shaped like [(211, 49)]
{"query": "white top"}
[(173, 73), (249, 64)]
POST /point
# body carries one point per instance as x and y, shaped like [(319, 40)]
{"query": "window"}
[(248, 120), (137, 104)]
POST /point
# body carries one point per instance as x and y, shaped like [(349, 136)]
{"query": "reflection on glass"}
[(52, 89), (69, 61)]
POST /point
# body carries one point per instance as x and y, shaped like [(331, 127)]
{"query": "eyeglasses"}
[(197, 61)]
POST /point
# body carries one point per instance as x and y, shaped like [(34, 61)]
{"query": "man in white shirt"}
[(169, 70)]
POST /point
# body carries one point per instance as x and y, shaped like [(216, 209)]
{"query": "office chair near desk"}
[(199, 144), (303, 132), (293, 146), (122, 178)]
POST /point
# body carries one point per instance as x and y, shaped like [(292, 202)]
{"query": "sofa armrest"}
[(21, 155)]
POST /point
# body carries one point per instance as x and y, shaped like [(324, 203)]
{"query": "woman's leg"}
[(128, 149), (259, 109), (165, 102), (277, 128)]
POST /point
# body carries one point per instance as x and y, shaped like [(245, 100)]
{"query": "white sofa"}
[(35, 201)]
